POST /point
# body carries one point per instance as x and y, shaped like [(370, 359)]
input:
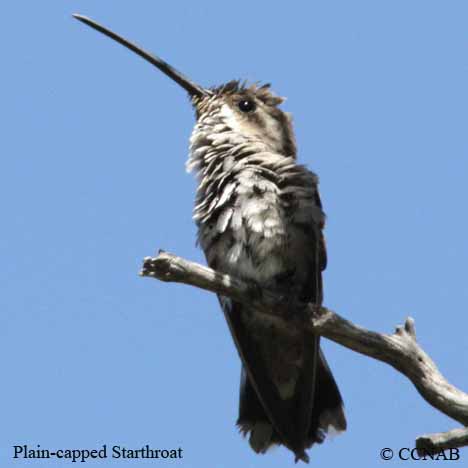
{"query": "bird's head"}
[(250, 112)]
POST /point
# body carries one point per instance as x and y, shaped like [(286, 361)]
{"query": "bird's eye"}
[(247, 105)]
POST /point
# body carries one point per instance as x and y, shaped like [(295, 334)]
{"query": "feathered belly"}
[(255, 242), (256, 245)]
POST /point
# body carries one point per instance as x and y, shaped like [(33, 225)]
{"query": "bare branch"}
[(400, 349), (442, 440)]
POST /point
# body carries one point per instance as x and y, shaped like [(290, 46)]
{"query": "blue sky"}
[(92, 179)]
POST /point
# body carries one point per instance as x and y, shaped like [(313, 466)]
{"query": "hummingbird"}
[(260, 218)]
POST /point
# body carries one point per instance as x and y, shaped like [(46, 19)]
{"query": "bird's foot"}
[(292, 309), (314, 311)]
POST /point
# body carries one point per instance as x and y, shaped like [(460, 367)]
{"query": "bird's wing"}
[(290, 417), (256, 368)]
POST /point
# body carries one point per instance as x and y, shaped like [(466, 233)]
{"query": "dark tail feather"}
[(253, 419), (327, 413)]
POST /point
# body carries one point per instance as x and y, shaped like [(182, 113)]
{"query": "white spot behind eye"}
[(230, 119), (271, 134)]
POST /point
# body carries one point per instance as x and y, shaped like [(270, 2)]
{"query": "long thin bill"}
[(192, 88)]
